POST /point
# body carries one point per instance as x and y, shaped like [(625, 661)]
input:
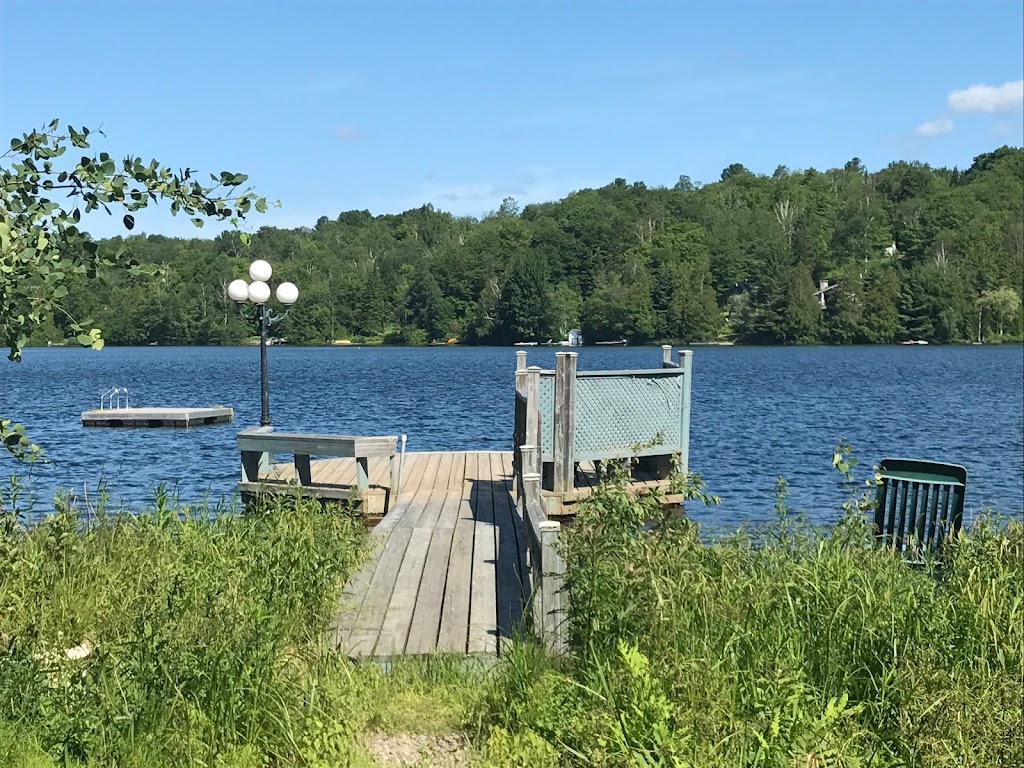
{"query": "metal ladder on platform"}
[(114, 398)]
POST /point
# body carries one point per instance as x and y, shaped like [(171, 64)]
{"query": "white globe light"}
[(238, 290), (260, 270), (259, 292), (287, 293)]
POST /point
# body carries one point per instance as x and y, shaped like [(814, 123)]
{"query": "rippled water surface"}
[(757, 412)]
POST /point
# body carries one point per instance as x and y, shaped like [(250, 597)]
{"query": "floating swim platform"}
[(157, 417)]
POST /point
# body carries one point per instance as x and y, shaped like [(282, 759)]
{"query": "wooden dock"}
[(447, 569), (456, 561), (447, 565), (156, 417)]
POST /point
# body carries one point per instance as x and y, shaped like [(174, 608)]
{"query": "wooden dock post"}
[(565, 422), (686, 363), (531, 470), (547, 568), (666, 356), (533, 409), (255, 463), (552, 587), (519, 414)]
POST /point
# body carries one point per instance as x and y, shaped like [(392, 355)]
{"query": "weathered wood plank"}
[(564, 417), (454, 629), (365, 632), (340, 471), (457, 472), (430, 473), (434, 503), (483, 611), (416, 463), (509, 573), (444, 469), (344, 446), (425, 623), (285, 488), (353, 594), (395, 626)]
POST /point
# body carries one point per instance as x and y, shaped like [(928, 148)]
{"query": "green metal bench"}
[(920, 505)]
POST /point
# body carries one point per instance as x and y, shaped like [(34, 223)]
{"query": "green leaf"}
[(244, 237), (129, 221), (60, 292)]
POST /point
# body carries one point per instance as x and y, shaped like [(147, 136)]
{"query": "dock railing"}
[(565, 416), (579, 416), (547, 598)]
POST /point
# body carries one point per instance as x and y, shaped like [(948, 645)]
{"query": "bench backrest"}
[(920, 504)]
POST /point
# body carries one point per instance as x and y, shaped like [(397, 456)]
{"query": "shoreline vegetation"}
[(192, 636), (841, 256), (999, 341)]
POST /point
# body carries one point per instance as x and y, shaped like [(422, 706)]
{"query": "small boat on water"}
[(525, 344), (912, 342), (615, 343)]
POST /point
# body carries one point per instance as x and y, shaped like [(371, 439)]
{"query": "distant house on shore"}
[(824, 286), (575, 338)]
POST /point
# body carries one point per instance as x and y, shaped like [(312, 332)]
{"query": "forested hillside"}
[(913, 252)]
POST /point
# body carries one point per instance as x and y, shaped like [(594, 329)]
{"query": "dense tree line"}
[(910, 252)]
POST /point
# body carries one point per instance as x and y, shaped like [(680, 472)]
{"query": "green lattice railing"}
[(617, 412)]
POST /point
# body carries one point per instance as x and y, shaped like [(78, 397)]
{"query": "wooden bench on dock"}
[(260, 474)]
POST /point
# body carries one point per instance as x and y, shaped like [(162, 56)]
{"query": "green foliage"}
[(41, 244), (45, 253), (917, 252), (775, 646), (172, 637), (998, 310)]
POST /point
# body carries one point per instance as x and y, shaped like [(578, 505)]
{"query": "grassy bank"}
[(177, 638), (784, 646), (168, 638)]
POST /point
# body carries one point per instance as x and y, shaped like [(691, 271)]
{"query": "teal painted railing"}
[(563, 417)]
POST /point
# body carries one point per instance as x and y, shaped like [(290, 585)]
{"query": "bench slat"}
[(340, 446)]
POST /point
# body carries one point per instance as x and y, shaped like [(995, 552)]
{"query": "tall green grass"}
[(783, 646), (170, 637), (180, 637)]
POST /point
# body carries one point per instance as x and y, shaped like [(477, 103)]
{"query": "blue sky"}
[(389, 105)]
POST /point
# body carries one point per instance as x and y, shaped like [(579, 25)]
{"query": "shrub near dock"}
[(781, 646), (174, 637)]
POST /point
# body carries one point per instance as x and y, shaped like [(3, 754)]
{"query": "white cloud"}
[(988, 98), (934, 128)]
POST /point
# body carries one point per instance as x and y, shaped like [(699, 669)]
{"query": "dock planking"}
[(444, 572), (447, 568)]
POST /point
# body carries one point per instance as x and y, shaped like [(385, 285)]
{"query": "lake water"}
[(757, 412)]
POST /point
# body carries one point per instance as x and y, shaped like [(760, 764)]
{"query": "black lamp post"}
[(258, 292)]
